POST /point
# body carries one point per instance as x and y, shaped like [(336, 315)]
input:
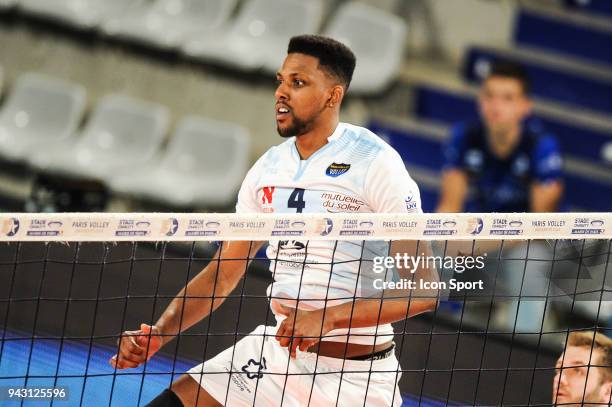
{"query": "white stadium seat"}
[(258, 38), (39, 112), (203, 165), (84, 14), (121, 134), (170, 23), (376, 37)]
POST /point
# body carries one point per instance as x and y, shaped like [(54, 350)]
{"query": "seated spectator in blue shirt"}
[(500, 164)]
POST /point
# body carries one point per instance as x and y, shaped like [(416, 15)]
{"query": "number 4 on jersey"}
[(296, 200)]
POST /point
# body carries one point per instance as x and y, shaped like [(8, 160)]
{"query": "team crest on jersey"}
[(335, 170)]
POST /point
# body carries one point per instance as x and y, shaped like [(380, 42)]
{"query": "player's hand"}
[(301, 329), (136, 346)]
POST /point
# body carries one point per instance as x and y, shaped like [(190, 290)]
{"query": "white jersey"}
[(355, 172)]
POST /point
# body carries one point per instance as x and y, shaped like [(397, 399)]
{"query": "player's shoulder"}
[(541, 140), (364, 142)]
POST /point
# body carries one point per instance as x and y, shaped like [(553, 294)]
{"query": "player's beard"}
[(299, 126)]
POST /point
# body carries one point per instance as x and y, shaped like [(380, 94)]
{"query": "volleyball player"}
[(323, 166), (584, 371)]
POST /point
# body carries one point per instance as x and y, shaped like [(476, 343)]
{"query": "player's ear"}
[(336, 96)]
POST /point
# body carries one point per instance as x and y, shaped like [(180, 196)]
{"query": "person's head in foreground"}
[(504, 103), (584, 370), (311, 85)]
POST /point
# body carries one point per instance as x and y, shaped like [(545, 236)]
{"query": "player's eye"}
[(299, 82), (278, 81)]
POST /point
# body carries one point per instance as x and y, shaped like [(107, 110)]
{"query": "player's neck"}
[(308, 143), (503, 144)]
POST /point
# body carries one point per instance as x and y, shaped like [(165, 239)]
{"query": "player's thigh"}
[(192, 394)]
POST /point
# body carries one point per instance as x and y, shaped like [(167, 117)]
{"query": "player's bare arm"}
[(545, 196), (200, 297), (453, 191)]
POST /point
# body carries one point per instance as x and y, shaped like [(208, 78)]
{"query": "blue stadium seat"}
[(562, 36), (421, 150), (548, 81), (603, 7), (437, 104)]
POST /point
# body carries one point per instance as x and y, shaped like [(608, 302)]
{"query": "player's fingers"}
[(285, 340), (121, 363), (307, 343), (281, 331), (132, 357), (295, 343), (133, 347), (125, 364)]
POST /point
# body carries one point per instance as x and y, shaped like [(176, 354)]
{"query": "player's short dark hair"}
[(506, 69), (336, 58)]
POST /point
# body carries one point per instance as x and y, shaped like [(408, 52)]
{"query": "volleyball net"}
[(497, 296)]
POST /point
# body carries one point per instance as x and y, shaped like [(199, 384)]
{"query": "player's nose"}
[(281, 92)]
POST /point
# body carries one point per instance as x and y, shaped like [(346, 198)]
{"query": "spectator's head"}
[(584, 370), (504, 99), (311, 83)]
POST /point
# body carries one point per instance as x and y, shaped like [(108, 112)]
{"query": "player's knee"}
[(166, 399)]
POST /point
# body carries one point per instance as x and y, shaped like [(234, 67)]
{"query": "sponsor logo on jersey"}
[(268, 192), (335, 170), (10, 226), (266, 199), (336, 202), (411, 204)]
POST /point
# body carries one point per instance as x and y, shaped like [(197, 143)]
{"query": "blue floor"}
[(128, 388)]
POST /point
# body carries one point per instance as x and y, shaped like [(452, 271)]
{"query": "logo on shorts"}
[(335, 170), (254, 369)]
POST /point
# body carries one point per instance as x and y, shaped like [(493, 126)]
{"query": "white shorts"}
[(263, 374)]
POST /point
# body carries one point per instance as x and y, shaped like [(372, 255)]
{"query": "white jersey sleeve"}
[(247, 196), (388, 186)]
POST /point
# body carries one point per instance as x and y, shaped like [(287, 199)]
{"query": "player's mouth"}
[(282, 112)]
